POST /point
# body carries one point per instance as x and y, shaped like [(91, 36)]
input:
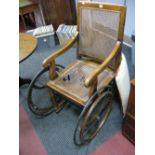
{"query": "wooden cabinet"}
[(27, 8), (129, 119), (57, 12)]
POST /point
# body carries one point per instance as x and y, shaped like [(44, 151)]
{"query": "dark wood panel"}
[(129, 120), (132, 101), (57, 12)]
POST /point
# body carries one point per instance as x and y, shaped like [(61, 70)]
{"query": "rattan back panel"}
[(98, 32), (100, 26)]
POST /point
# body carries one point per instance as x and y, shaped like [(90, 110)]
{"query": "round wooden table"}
[(27, 45)]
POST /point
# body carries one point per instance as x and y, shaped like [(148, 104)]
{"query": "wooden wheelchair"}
[(88, 82)]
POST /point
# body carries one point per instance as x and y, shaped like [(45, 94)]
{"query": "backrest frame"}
[(106, 6)]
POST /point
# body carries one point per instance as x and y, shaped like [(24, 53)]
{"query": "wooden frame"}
[(50, 61), (104, 64), (107, 6), (91, 82), (62, 50)]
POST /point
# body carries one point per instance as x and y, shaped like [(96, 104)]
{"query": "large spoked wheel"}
[(93, 116), (37, 88)]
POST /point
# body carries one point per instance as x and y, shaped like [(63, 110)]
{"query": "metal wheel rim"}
[(88, 104), (33, 107), (107, 109)]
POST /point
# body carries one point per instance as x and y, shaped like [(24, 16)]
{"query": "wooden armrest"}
[(93, 76), (57, 53)]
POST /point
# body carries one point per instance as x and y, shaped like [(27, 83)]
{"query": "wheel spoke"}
[(93, 116)]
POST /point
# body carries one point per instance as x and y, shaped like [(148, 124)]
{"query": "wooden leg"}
[(93, 88), (23, 20), (42, 15), (57, 105), (33, 19)]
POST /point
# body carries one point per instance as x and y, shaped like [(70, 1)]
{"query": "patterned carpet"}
[(56, 130)]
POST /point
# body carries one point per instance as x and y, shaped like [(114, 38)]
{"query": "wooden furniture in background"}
[(27, 7), (129, 120), (58, 12)]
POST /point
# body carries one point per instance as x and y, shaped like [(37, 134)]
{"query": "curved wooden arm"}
[(57, 53), (94, 75)]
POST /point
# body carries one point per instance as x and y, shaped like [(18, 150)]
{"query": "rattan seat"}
[(73, 85)]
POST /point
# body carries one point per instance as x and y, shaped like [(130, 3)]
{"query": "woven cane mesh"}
[(98, 32), (77, 74)]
